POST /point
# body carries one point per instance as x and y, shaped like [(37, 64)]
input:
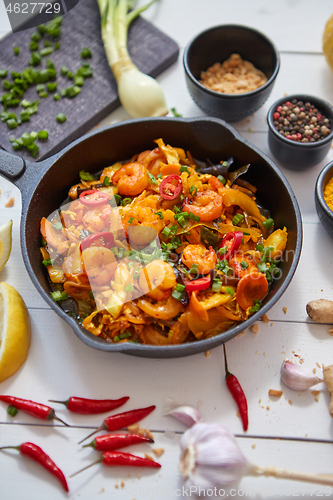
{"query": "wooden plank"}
[(143, 484)]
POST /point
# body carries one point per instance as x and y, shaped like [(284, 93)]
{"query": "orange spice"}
[(328, 194)]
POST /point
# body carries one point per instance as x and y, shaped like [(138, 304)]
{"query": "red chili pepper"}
[(37, 410), (232, 241), (93, 198), (91, 406), (36, 453), (237, 393), (115, 441), (170, 190), (114, 458), (199, 284), (105, 237), (121, 420)]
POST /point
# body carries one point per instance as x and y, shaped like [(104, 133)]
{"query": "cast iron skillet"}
[(44, 186)]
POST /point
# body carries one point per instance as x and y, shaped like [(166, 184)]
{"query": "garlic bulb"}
[(211, 458), (186, 414), (296, 377)]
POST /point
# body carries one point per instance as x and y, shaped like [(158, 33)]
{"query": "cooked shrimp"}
[(99, 264), (164, 310), (206, 205), (198, 254), (97, 219), (157, 280), (132, 179), (137, 220)]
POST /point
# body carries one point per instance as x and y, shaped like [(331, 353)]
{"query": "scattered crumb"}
[(259, 401), (315, 394), (238, 414), (290, 402), (138, 476), (122, 484), (273, 392), (265, 318), (314, 370), (116, 486), (267, 408), (318, 365), (207, 353), (102, 491), (149, 457), (330, 331), (253, 446), (133, 428), (285, 310), (10, 202), (146, 432), (254, 328), (271, 324), (158, 451), (250, 129)]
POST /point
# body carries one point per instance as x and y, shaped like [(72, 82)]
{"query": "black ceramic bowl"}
[(44, 186), (216, 45), (299, 155), (325, 214)]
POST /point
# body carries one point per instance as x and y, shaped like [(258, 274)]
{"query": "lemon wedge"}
[(328, 42), (14, 331), (5, 242)]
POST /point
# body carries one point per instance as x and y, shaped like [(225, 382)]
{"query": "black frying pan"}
[(44, 186)]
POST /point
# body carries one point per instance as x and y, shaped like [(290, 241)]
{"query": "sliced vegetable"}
[(199, 284), (93, 198), (252, 287), (232, 242), (106, 238), (171, 187)]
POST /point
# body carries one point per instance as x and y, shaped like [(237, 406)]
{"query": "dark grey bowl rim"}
[(301, 97), (220, 94), (319, 190)]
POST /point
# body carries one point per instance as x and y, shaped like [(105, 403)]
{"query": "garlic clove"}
[(296, 377), (211, 457), (188, 415)]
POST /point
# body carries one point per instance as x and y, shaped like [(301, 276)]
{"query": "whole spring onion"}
[(140, 94)]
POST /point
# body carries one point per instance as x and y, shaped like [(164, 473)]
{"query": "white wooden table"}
[(295, 431)]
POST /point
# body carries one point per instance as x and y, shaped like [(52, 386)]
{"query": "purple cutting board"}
[(151, 50)]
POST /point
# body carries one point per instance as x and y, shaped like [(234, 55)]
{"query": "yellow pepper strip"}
[(236, 197)]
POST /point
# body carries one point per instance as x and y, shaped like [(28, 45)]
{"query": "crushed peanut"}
[(10, 202), (254, 328), (158, 451), (122, 484), (275, 393), (233, 76), (145, 432), (265, 318), (253, 446), (285, 310), (133, 428), (315, 394), (207, 353), (330, 331), (149, 457), (290, 402)]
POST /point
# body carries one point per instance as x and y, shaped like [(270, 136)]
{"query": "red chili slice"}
[(93, 198), (200, 284), (106, 238), (170, 190), (232, 241)]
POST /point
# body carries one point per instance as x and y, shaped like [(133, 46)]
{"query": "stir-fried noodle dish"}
[(158, 250)]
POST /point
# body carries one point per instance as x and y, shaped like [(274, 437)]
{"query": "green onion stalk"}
[(140, 94)]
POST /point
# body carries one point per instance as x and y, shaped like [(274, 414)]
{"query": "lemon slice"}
[(14, 331), (328, 42), (5, 242)]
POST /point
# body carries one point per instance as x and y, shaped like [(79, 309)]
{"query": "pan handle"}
[(11, 166), (23, 173)]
